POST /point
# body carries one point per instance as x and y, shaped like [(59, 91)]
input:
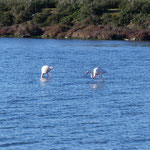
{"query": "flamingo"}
[(96, 71), (45, 70)]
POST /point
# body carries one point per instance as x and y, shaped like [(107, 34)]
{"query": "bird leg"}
[(99, 78), (102, 79), (50, 74)]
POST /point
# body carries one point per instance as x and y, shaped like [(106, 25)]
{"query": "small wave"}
[(17, 143)]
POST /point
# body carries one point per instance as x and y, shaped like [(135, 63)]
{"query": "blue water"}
[(71, 111)]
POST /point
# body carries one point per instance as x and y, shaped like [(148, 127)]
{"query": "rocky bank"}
[(78, 31)]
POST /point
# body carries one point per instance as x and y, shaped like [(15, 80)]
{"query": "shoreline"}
[(78, 31)]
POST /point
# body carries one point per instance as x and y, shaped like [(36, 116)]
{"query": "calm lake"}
[(71, 111)]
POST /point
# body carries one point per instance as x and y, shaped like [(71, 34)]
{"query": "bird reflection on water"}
[(44, 80), (96, 86)]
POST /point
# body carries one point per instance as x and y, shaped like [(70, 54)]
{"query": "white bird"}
[(97, 71), (45, 70)]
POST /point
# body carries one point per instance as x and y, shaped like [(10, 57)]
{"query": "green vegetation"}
[(117, 16), (135, 13)]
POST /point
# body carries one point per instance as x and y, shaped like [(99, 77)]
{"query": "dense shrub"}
[(40, 18), (6, 18), (133, 13), (141, 21), (131, 9), (3, 7)]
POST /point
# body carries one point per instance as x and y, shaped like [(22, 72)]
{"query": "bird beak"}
[(51, 68), (86, 73)]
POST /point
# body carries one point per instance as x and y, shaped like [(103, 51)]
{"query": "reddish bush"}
[(79, 30), (54, 31)]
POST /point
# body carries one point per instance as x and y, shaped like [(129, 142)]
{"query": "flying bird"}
[(96, 72), (45, 70)]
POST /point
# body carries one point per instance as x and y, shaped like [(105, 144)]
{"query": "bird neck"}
[(92, 76)]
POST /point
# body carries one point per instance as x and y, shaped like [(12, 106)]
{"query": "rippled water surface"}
[(71, 111)]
